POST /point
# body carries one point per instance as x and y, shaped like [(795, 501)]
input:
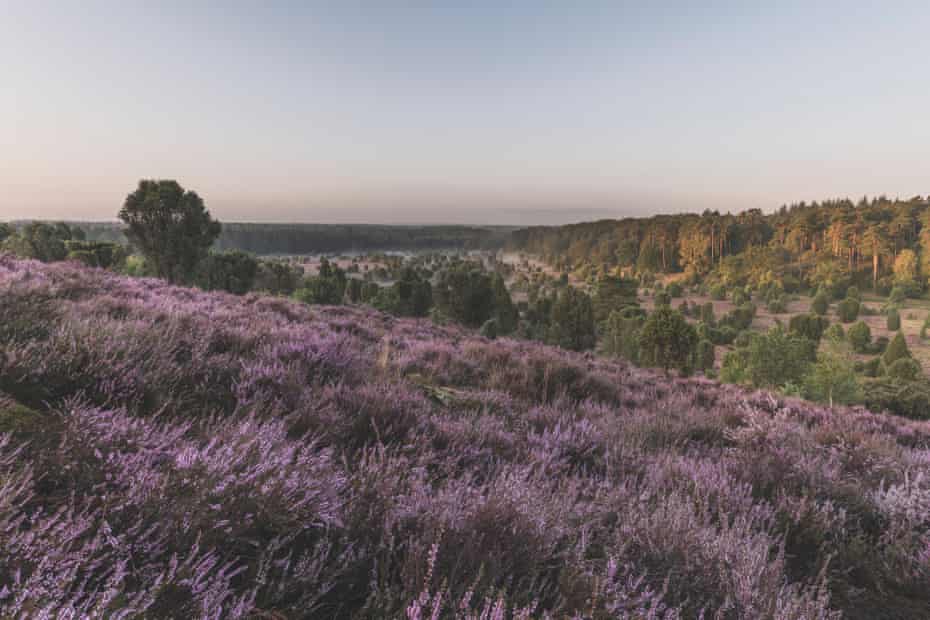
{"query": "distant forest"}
[(864, 239), (267, 239)]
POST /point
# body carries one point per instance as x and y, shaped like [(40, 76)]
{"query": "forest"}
[(804, 244), (289, 239)]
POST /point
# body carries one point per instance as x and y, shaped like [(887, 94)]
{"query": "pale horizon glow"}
[(483, 112)]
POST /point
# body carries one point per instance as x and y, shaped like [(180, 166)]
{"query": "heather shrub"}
[(193, 454)]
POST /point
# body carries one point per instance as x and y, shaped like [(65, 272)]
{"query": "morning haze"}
[(531, 112)]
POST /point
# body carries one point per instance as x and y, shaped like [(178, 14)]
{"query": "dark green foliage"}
[(718, 292), (898, 295), (662, 299), (5, 231), (893, 320), (860, 337), (327, 287), (820, 304), (740, 318), (777, 357), (19, 420), (704, 355), (465, 293), (41, 241), (621, 336), (810, 326), (667, 340), (834, 332), (490, 329), (674, 289), (871, 367), (848, 310), (770, 359), (277, 277), (904, 368), (739, 296), (505, 312), (171, 227), (777, 304), (411, 295), (613, 293), (853, 293), (707, 314), (97, 253), (905, 398), (742, 338), (897, 349), (232, 271), (571, 322)]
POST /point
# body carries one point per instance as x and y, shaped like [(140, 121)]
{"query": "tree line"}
[(874, 242)]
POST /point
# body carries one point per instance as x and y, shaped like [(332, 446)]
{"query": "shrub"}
[(707, 314), (897, 349), (489, 329), (662, 298), (898, 295), (904, 369), (821, 304), (674, 289), (835, 332), (718, 292), (777, 304), (893, 320), (811, 326), (848, 310), (740, 318), (860, 337), (704, 355), (853, 293), (739, 296)]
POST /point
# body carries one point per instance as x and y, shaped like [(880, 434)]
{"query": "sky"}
[(480, 111)]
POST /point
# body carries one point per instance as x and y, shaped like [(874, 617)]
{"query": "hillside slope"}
[(172, 453)]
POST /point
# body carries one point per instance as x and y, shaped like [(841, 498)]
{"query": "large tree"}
[(171, 227)]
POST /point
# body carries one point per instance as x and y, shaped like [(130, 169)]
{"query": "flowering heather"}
[(171, 453)]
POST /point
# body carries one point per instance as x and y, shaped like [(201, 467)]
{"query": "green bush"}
[(662, 299), (704, 355), (860, 337), (718, 292), (905, 398), (739, 297), (835, 332), (848, 310), (904, 369), (489, 329), (811, 326), (707, 314), (674, 289), (898, 295), (893, 320), (853, 293), (897, 349), (777, 304), (821, 304)]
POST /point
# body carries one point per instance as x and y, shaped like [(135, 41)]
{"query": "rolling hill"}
[(171, 453)]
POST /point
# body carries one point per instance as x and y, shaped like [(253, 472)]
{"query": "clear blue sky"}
[(477, 111)]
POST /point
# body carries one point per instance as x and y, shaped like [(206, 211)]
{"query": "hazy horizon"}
[(529, 113)]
